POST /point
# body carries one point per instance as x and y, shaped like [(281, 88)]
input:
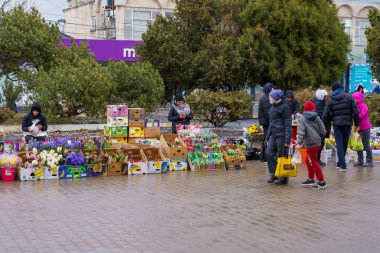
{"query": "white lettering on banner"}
[(129, 52)]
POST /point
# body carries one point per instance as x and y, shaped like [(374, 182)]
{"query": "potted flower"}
[(75, 165), (96, 164), (32, 167), (8, 164), (51, 160)]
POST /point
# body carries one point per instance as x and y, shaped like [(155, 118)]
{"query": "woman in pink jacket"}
[(364, 130)]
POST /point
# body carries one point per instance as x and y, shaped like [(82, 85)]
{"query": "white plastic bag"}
[(297, 158)]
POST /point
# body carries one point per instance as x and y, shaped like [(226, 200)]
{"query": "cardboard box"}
[(236, 165), (152, 132), (136, 123), (77, 171), (136, 113), (119, 139), (155, 166), (51, 173), (116, 131), (229, 158), (31, 174), (114, 169), (95, 170), (63, 172), (135, 168), (173, 152), (376, 155), (117, 121), (124, 169), (117, 110), (136, 132), (178, 164), (134, 140)]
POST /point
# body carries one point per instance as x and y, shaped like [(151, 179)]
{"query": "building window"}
[(347, 25), (169, 14), (360, 27), (93, 24), (136, 23)]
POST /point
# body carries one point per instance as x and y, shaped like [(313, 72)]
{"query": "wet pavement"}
[(231, 211)]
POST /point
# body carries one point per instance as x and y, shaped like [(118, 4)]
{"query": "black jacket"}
[(264, 106), (28, 119), (341, 109), (176, 120), (294, 104), (320, 105), (280, 122)]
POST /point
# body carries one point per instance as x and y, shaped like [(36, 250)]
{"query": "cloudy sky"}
[(50, 9)]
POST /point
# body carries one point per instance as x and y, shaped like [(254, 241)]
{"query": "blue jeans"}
[(274, 149), (342, 135), (366, 135)]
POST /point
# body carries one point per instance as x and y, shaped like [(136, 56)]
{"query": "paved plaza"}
[(231, 211)]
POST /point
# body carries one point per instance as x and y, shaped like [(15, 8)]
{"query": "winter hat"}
[(289, 94), (276, 94), (309, 106), (335, 86), (179, 97), (320, 94)]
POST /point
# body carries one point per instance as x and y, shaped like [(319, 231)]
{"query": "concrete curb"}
[(67, 128)]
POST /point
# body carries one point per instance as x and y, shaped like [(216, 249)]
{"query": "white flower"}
[(55, 155), (60, 157), (59, 149), (69, 142), (51, 151), (48, 159), (35, 162), (34, 151)]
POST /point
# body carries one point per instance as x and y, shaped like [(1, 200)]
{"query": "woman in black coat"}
[(180, 113)]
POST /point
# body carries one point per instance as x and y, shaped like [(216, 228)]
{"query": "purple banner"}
[(106, 50)]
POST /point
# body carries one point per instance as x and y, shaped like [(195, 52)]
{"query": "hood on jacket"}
[(340, 96), (311, 115), (267, 88), (289, 94), (320, 94), (37, 106), (358, 96)]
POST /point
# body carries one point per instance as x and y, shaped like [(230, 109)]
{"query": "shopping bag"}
[(355, 142), (297, 157), (285, 168)]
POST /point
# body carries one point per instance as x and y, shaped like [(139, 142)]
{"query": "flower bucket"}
[(8, 174), (303, 152)]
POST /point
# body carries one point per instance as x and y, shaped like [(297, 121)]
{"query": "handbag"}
[(285, 168)]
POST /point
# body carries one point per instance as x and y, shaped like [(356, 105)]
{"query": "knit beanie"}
[(309, 106), (335, 86), (276, 94)]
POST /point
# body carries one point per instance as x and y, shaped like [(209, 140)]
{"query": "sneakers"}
[(358, 164), (368, 165), (282, 181), (319, 185), (342, 169), (308, 182), (321, 163), (271, 180)]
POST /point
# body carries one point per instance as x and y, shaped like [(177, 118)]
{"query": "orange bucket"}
[(303, 152)]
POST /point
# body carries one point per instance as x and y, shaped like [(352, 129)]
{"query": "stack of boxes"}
[(136, 124), (117, 123), (175, 150)]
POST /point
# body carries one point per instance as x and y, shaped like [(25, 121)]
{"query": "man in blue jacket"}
[(279, 134), (34, 123)]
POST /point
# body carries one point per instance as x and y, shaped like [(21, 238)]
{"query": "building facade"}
[(113, 19), (354, 16)]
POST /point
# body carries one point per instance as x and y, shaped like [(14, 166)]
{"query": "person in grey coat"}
[(311, 131)]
